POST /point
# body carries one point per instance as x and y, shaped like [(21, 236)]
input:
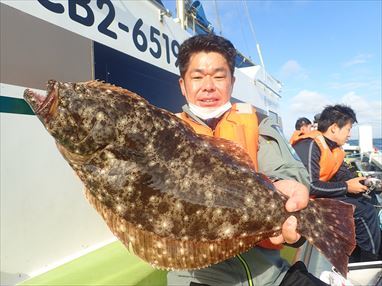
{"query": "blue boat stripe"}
[(14, 105)]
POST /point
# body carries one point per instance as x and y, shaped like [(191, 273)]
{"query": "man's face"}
[(306, 128), (208, 81), (341, 135)]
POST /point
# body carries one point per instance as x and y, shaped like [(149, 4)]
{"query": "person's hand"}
[(354, 185), (298, 199)]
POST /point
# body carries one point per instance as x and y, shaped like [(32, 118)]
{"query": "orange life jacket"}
[(330, 160), (295, 137), (239, 125)]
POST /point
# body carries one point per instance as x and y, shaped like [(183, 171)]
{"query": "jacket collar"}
[(332, 145), (186, 109)]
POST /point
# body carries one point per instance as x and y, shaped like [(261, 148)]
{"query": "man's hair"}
[(206, 43), (316, 117), (339, 114), (302, 121)]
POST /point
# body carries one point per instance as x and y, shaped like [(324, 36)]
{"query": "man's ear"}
[(233, 82), (182, 86), (333, 128)]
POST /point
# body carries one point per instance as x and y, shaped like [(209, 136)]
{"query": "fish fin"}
[(230, 149), (98, 84), (328, 224), (170, 253)]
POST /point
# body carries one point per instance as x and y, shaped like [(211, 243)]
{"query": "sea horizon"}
[(377, 143)]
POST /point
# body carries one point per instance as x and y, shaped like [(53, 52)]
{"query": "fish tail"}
[(328, 224)]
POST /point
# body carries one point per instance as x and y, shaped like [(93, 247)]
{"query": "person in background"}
[(303, 126), (323, 157), (206, 64), (315, 121)]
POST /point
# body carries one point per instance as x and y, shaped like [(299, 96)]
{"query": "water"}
[(377, 143)]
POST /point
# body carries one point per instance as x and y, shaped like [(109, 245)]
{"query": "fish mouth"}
[(43, 105)]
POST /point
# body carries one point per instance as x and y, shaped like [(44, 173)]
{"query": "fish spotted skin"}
[(179, 200)]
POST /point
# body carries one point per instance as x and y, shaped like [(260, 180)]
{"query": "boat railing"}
[(162, 8)]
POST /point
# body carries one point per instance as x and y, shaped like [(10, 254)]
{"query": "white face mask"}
[(207, 112)]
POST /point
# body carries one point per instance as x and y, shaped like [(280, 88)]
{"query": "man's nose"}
[(208, 83)]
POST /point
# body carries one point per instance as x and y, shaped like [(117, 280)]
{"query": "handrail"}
[(163, 9)]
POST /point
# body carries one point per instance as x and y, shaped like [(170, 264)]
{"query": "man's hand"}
[(298, 199), (354, 185)]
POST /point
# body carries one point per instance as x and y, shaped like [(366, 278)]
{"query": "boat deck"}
[(375, 158), (111, 265)]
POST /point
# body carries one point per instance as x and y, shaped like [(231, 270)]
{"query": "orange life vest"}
[(330, 160), (295, 137), (239, 125)]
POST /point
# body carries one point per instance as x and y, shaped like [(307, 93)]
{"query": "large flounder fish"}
[(179, 200)]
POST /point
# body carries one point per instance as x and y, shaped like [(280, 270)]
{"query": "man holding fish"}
[(186, 201), (206, 64)]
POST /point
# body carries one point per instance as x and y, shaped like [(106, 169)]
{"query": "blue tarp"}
[(196, 8)]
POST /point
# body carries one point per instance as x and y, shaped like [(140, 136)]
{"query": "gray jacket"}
[(276, 157)]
